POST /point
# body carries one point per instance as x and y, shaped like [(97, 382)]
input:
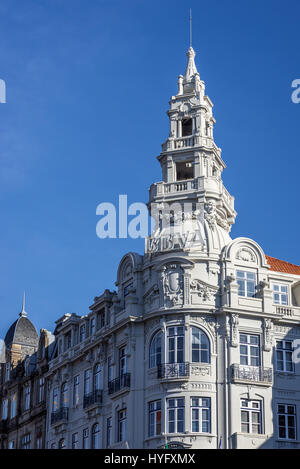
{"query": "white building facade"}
[(195, 348)]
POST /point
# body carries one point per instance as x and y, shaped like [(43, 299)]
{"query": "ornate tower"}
[(191, 173)]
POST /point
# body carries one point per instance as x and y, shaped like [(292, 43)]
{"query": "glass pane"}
[(250, 275), (241, 285), (282, 432), (243, 338), (245, 428), (276, 298), (254, 339), (291, 433)]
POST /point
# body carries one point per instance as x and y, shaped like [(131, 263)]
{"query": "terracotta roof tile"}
[(283, 266)]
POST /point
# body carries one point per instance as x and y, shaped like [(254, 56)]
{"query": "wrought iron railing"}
[(60, 414), (173, 370), (117, 384), (94, 397), (252, 373)]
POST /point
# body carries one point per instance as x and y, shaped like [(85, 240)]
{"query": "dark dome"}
[(22, 332)]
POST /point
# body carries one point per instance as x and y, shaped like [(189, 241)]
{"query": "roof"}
[(22, 332), (283, 266)]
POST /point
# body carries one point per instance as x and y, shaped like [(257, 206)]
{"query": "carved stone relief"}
[(172, 285)]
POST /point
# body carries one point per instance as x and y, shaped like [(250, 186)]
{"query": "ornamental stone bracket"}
[(203, 290), (268, 334), (234, 323)]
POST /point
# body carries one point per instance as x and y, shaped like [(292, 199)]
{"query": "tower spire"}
[(23, 312), (190, 27)]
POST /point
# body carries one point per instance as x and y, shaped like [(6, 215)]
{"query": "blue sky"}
[(88, 85)]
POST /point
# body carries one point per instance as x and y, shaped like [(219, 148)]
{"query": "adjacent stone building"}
[(23, 387), (197, 347)]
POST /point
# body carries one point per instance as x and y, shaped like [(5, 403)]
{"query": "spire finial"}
[(23, 312), (190, 27)]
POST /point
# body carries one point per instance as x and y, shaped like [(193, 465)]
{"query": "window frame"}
[(248, 346), (250, 410), (27, 397), (246, 280), (280, 293), (155, 409), (122, 424), (75, 441), (154, 360), (286, 426), (284, 360), (176, 409), (176, 350), (200, 407), (200, 349), (76, 391)]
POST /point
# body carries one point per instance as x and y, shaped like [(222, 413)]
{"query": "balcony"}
[(284, 311), (251, 374), (173, 371), (59, 415), (94, 397), (120, 383)]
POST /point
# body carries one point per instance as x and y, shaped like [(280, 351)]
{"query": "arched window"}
[(62, 444), (96, 436), (97, 377), (200, 350), (64, 395), (156, 350)]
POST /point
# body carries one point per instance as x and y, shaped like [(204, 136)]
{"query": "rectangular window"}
[(251, 416), (284, 356), (280, 294), (246, 282), (41, 390), (286, 415), (27, 398), (122, 425), (109, 369), (85, 438), (249, 350), (200, 415), (87, 382), (82, 333), (92, 326), (39, 443), (101, 319), (155, 418), (122, 361), (108, 432), (4, 409), (75, 441), (26, 441), (76, 390), (55, 399), (175, 344), (175, 413), (67, 341), (13, 408)]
